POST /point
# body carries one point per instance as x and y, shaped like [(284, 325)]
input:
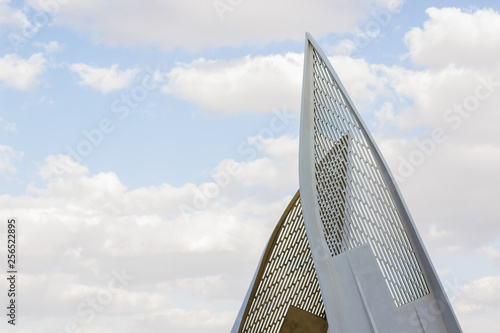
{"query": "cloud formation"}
[(7, 158), (195, 25), (456, 36), (12, 18), (104, 79), (95, 216), (230, 87), (480, 295), (20, 73)]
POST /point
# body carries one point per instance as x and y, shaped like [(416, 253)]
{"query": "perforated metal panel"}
[(355, 204), (285, 277), (352, 209)]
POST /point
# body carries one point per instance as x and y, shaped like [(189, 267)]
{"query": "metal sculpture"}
[(361, 248)]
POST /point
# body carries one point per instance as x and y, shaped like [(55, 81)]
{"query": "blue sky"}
[(116, 115)]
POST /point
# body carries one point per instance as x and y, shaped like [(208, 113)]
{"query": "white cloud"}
[(10, 126), (183, 321), (122, 302), (480, 295), (365, 82), (195, 25), (344, 47), (19, 73), (492, 254), (480, 322), (104, 79), (230, 87), (7, 156), (51, 47), (61, 166), (207, 254), (386, 113), (452, 35), (12, 19), (206, 285), (450, 190)]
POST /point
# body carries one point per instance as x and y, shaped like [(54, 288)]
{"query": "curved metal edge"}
[(308, 194), (245, 307), (435, 285)]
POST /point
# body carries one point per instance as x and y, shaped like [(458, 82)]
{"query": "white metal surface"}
[(354, 214), (347, 248)]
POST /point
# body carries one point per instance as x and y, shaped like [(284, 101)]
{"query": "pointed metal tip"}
[(309, 36), (310, 39)]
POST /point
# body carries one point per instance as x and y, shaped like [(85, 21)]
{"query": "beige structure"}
[(285, 279)]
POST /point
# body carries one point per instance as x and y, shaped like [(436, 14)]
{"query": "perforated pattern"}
[(288, 278), (355, 204)]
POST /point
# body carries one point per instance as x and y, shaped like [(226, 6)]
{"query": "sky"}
[(148, 148)]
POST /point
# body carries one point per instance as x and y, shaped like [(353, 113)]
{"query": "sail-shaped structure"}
[(345, 256)]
